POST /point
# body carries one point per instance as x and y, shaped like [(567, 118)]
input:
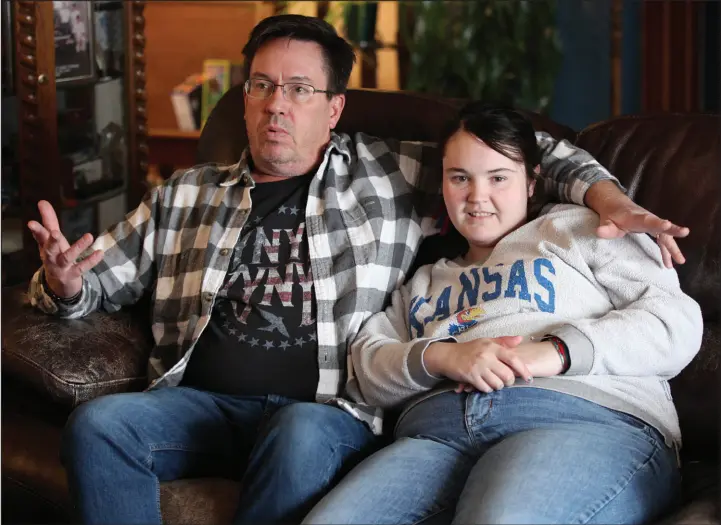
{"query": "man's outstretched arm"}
[(620, 215), (572, 175)]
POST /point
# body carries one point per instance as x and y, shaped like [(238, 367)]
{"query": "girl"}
[(570, 420)]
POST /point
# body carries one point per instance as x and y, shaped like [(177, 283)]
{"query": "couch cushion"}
[(201, 501), (670, 165), (72, 361), (35, 486)]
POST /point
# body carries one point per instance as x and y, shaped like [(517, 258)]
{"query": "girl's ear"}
[(532, 184)]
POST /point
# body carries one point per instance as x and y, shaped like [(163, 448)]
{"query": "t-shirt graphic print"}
[(262, 335)]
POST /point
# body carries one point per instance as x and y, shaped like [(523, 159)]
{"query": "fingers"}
[(677, 231), (48, 216), (56, 244), (665, 255), (40, 234), (516, 364), (494, 379), (481, 385), (71, 254), (89, 262), (669, 250), (608, 230), (509, 341), (655, 225)]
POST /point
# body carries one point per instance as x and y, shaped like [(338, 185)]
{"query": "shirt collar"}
[(240, 171)]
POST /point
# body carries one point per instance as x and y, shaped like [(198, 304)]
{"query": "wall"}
[(582, 94), (180, 35)]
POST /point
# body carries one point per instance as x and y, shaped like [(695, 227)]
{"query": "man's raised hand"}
[(63, 272)]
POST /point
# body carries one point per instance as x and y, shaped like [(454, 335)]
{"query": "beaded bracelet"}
[(66, 301)]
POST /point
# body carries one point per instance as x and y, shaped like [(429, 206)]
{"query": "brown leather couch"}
[(670, 164)]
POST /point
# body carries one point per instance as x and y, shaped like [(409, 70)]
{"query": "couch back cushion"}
[(670, 164), (385, 114)]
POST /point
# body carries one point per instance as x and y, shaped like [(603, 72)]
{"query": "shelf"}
[(98, 197), (12, 235), (107, 5), (172, 133)]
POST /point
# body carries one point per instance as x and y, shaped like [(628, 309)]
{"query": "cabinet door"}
[(37, 111), (43, 166)]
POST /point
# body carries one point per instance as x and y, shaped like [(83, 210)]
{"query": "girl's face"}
[(485, 192)]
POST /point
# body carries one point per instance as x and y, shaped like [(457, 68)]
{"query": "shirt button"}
[(224, 252), (208, 296)]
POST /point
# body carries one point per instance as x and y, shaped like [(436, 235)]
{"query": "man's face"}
[(287, 138)]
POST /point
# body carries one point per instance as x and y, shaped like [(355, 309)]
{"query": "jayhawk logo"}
[(465, 320)]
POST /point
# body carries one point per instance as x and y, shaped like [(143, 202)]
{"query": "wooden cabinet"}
[(79, 144)]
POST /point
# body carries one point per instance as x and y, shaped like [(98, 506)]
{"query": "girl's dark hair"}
[(337, 53), (502, 129)]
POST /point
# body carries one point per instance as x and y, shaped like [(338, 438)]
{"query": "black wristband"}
[(65, 301)]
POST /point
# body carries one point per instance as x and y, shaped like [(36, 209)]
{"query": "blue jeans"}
[(117, 449), (518, 455)]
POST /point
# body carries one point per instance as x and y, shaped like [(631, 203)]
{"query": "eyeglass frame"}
[(246, 88)]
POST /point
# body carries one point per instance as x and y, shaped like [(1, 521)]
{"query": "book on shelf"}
[(186, 99), (218, 77)]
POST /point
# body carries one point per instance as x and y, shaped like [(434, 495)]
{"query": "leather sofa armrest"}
[(700, 511), (700, 495), (72, 361)]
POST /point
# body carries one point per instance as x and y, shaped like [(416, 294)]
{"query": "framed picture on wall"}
[(74, 43), (8, 49)]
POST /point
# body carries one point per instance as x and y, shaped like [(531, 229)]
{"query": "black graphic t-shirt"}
[(261, 338)]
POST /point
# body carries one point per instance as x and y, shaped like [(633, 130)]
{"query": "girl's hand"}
[(484, 364)]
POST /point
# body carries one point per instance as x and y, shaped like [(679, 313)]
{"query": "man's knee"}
[(306, 421), (95, 421)]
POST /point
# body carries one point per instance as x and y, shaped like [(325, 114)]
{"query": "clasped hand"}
[(490, 364)]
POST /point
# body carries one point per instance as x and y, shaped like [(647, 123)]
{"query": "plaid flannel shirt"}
[(370, 205)]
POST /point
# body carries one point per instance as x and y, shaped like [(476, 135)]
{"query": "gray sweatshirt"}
[(628, 326)]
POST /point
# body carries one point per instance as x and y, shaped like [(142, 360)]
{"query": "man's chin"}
[(277, 155)]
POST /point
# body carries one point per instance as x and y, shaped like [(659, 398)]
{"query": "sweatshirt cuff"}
[(580, 350), (417, 369)]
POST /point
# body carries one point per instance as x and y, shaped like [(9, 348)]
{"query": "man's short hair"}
[(337, 53)]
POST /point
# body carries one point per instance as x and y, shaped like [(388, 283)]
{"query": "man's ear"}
[(337, 103)]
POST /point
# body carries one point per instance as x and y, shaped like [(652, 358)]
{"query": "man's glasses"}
[(296, 92)]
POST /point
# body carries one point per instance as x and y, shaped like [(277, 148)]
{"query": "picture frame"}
[(8, 50), (74, 41)]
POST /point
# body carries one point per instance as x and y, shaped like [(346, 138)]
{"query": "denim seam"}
[(157, 499), (469, 431), (656, 450), (349, 446), (159, 447)]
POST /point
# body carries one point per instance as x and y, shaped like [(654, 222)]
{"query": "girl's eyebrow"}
[(458, 170)]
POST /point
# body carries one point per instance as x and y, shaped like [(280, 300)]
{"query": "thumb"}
[(608, 230), (509, 341)]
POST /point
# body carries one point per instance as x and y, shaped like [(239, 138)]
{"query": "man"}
[(262, 272)]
